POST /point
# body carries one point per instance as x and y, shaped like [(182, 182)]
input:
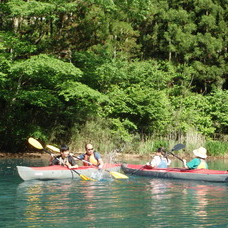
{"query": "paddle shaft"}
[(137, 170), (176, 156), (48, 152), (84, 161), (75, 171)]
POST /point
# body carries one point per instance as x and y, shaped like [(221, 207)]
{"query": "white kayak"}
[(60, 172)]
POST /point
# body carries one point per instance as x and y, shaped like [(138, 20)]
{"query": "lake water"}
[(137, 202)]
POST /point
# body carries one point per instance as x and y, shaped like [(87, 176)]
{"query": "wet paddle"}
[(35, 143), (178, 147), (116, 175), (175, 148), (38, 145), (53, 148)]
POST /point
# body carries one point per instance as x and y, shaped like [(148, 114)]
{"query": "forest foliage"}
[(113, 71)]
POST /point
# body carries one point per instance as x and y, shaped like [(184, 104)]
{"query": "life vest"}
[(202, 165), (90, 159), (159, 162), (163, 163)]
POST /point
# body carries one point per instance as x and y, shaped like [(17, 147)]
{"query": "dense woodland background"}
[(123, 74)]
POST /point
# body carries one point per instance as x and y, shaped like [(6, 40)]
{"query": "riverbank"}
[(117, 155)]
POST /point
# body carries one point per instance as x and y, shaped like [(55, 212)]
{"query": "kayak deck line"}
[(181, 170), (59, 167)]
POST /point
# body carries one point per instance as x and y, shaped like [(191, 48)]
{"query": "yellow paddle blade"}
[(83, 177), (53, 148), (86, 178), (118, 175), (35, 143)]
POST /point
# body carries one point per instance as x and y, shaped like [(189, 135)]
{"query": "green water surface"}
[(137, 202)]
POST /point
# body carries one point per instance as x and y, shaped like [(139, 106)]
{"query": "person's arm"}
[(80, 157), (71, 163), (168, 161), (192, 164), (99, 159), (71, 166), (153, 162), (101, 163), (184, 162), (54, 161)]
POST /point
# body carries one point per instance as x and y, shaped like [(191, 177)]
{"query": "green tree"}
[(192, 111), (219, 109), (30, 98)]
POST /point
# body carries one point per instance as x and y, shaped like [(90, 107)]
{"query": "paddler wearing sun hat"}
[(199, 161)]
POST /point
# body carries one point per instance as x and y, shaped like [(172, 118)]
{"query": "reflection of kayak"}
[(177, 173), (59, 172)]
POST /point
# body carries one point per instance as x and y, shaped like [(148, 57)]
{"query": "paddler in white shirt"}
[(159, 160)]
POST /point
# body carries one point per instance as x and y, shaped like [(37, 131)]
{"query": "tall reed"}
[(110, 142), (217, 148)]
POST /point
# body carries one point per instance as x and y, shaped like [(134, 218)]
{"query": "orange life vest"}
[(90, 159)]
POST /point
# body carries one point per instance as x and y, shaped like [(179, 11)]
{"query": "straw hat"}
[(201, 152)]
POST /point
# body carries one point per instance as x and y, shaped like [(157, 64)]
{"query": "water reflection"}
[(192, 202), (89, 203), (158, 188), (61, 200), (137, 202), (204, 196), (41, 198)]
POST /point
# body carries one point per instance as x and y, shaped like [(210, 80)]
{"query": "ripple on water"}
[(137, 202)]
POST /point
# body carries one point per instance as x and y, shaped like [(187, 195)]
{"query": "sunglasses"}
[(90, 149)]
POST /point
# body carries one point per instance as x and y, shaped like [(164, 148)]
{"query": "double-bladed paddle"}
[(175, 148), (114, 174), (38, 145)]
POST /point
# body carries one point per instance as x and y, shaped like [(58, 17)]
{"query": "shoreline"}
[(118, 155)]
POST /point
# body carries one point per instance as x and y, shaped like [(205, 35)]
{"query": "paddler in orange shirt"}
[(92, 157)]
